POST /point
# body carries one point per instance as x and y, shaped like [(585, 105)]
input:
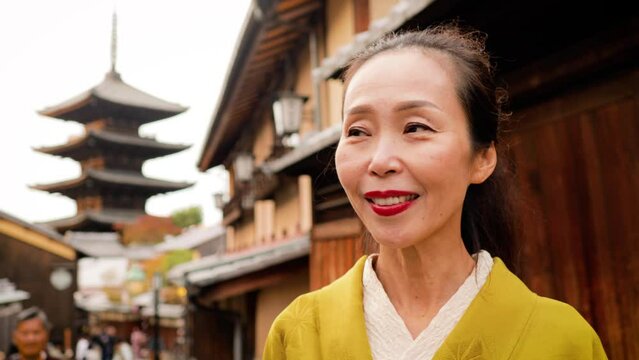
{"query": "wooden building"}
[(31, 254), (572, 71), (111, 188)]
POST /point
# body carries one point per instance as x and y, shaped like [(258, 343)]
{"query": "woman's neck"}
[(420, 279)]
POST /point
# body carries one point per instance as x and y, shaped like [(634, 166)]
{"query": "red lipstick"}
[(389, 210)]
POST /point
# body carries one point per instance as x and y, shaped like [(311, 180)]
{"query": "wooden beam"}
[(36, 239), (607, 51), (273, 52), (287, 5), (336, 229), (253, 281), (272, 43), (298, 12), (362, 15)]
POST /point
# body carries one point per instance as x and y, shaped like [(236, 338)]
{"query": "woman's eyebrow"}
[(407, 105), (359, 109)]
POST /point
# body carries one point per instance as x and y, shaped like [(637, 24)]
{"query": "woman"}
[(418, 160)]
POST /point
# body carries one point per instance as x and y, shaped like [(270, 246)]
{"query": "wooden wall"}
[(577, 157), (331, 258), (212, 334), (29, 268)]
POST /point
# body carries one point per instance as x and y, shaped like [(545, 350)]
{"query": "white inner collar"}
[(387, 334)]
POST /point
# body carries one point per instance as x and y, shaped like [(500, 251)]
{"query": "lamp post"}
[(157, 285), (219, 200), (243, 167), (287, 113)]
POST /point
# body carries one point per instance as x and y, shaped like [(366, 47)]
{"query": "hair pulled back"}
[(488, 220)]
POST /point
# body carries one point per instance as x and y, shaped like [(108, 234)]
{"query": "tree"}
[(147, 230), (187, 217)]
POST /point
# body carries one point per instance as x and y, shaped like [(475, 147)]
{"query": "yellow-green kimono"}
[(505, 321)]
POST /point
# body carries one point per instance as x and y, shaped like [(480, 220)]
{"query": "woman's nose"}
[(385, 159)]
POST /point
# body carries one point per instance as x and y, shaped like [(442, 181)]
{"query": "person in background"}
[(31, 335), (123, 351), (138, 341), (82, 347), (106, 340)]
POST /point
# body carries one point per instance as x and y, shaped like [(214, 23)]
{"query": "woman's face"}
[(405, 157)]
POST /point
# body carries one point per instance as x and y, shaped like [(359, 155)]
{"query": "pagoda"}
[(111, 188)]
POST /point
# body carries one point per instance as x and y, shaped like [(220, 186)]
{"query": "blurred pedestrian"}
[(31, 335), (123, 351), (106, 340), (138, 341), (82, 347)]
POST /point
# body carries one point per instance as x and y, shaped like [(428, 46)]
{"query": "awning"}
[(214, 269), (402, 11), (307, 148)]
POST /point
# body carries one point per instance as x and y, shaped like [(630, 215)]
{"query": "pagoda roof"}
[(114, 177), (108, 244), (116, 99), (95, 219), (74, 147)]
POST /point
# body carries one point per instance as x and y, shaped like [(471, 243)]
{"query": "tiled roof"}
[(216, 268), (120, 97), (192, 238), (118, 177), (272, 30), (40, 228), (114, 138), (102, 217), (107, 245)]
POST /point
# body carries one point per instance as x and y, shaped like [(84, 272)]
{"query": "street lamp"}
[(243, 167), (219, 200), (61, 278), (157, 285), (287, 112), (248, 199)]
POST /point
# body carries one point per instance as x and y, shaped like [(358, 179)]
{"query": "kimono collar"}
[(504, 302), (494, 321)]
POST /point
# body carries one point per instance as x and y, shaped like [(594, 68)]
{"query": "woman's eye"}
[(355, 132), (417, 127)]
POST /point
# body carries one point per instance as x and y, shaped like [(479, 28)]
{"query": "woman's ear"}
[(484, 164)]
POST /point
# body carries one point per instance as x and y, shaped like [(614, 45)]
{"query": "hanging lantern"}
[(248, 200), (61, 279), (287, 112), (243, 167), (219, 200)]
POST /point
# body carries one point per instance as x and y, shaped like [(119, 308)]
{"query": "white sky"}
[(51, 51)]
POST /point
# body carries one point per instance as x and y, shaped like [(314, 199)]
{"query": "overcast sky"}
[(51, 51)]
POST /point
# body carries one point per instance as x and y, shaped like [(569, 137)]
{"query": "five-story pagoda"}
[(111, 188)]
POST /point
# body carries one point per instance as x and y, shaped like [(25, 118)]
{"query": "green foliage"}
[(187, 217), (176, 257)]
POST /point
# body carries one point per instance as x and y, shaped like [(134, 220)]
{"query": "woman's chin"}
[(393, 240)]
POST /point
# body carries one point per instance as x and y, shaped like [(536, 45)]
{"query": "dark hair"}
[(33, 313), (488, 220)]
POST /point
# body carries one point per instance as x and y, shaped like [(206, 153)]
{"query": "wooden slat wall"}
[(330, 259), (29, 268), (577, 158), (212, 335)]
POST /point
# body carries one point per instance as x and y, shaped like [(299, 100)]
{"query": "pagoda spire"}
[(114, 39)]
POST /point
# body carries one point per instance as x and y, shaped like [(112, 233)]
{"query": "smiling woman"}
[(418, 158)]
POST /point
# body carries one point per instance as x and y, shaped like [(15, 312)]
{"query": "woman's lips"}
[(390, 202)]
